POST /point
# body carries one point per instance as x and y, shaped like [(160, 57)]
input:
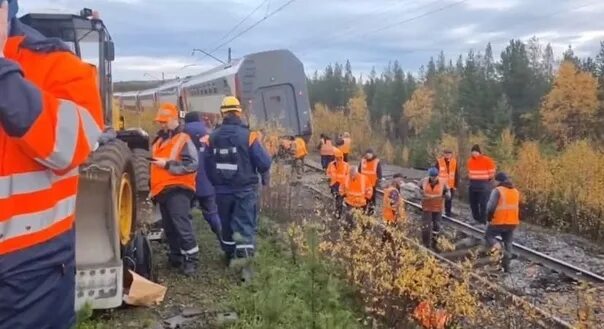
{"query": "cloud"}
[(158, 35)]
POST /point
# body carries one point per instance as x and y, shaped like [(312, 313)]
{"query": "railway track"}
[(463, 232)]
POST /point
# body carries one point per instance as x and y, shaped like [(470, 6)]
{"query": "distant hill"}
[(124, 86)]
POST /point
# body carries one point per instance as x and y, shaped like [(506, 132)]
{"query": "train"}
[(271, 86)]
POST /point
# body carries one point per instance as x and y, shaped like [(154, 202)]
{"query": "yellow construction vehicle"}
[(109, 238)]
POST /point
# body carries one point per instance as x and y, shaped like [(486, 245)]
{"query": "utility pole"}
[(229, 57)]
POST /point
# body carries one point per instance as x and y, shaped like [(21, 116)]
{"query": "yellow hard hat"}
[(230, 103)]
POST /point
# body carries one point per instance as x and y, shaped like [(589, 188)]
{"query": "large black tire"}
[(141, 169), (116, 154)]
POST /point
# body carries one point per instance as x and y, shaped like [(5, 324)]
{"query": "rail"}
[(554, 264)]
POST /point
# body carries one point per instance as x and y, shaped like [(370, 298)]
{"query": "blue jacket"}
[(203, 186), (232, 163)]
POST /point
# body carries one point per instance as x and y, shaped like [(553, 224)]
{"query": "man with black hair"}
[(481, 170)]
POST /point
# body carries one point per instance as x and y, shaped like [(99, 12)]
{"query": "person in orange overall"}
[(346, 145), (51, 119), (481, 170), (326, 150), (173, 173), (300, 152), (503, 215), (448, 172), (356, 191), (392, 201), (337, 171), (434, 192), (371, 167)]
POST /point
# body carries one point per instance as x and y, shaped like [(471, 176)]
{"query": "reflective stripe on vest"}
[(445, 173), (481, 168), (170, 149), (356, 198), (433, 196), (508, 207), (369, 169)]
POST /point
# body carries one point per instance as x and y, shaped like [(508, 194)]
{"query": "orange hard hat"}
[(166, 112)]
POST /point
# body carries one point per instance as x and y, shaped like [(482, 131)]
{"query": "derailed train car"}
[(270, 85)]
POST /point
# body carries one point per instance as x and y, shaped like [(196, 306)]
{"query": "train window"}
[(276, 99), (215, 90)]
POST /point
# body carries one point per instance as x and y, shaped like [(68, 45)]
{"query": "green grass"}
[(293, 293)]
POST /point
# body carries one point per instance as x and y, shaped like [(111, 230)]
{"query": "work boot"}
[(175, 260), (189, 266)]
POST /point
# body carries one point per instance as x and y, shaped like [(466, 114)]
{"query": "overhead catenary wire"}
[(249, 28), (234, 28)]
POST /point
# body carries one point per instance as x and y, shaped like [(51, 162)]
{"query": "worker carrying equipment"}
[(173, 171), (204, 190), (337, 171), (448, 172), (50, 121), (234, 158), (434, 192), (481, 170), (356, 191), (503, 215), (371, 167), (326, 150)]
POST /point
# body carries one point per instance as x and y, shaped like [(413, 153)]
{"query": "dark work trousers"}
[(370, 207), (507, 236), (239, 216), (430, 228), (175, 207), (37, 285), (449, 203), (338, 199), (325, 160), (345, 157), (478, 203), (298, 167), (208, 207)]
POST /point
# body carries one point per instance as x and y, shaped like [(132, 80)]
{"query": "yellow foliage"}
[(356, 122), (569, 108), (387, 152), (504, 150), (418, 109), (564, 190)]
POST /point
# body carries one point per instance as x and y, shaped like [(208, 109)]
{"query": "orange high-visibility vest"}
[(433, 200), (369, 169), (337, 172), (389, 211), (326, 148), (356, 191), (345, 148), (39, 169), (508, 207), (447, 174), (481, 168), (301, 150), (170, 149)]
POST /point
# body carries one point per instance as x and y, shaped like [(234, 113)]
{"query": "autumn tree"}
[(418, 110), (358, 120), (569, 109)]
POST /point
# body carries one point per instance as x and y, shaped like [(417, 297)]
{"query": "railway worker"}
[(235, 157), (448, 172), (300, 153), (392, 207), (356, 191), (434, 192), (50, 120), (481, 170), (347, 145), (503, 215), (371, 167), (325, 150), (173, 172), (204, 190), (337, 171)]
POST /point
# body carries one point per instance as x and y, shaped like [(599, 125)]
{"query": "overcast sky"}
[(154, 36)]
